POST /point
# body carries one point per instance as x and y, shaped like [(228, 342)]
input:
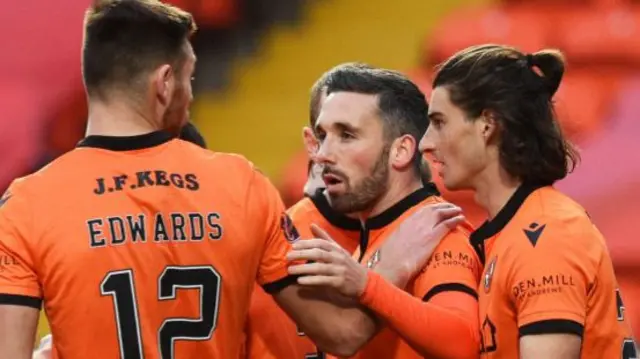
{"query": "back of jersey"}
[(143, 247)]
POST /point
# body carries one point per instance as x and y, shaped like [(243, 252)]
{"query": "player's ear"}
[(402, 151), (310, 141), (487, 126), (164, 81)]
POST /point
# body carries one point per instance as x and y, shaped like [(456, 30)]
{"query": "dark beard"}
[(364, 195)]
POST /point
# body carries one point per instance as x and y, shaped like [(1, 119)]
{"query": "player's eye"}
[(437, 123), (193, 78), (346, 135)]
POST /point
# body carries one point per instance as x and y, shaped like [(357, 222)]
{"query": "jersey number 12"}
[(120, 286)]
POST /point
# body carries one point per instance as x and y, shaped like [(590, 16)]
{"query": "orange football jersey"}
[(548, 271), (454, 266), (270, 333), (143, 247)]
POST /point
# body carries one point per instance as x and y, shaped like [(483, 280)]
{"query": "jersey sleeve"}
[(454, 266), (276, 227), (302, 222), (19, 283), (550, 277)]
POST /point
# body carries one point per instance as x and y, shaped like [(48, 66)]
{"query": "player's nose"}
[(325, 153), (427, 144)]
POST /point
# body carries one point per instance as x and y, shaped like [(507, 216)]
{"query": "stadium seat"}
[(526, 30), (211, 13), (552, 2), (68, 123), (601, 37), (423, 78), (222, 13), (583, 102), (293, 178)]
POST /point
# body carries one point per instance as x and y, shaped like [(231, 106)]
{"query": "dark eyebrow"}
[(340, 126), (346, 127)]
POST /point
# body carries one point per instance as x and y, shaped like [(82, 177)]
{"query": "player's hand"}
[(409, 248), (332, 266)]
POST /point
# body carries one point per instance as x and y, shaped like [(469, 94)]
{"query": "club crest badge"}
[(375, 258), (488, 274), (290, 231)]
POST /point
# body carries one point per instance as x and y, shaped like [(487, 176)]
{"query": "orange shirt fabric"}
[(454, 267), (143, 247), (270, 333), (548, 271)]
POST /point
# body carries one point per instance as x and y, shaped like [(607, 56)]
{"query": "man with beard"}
[(270, 333), (133, 234), (368, 130)]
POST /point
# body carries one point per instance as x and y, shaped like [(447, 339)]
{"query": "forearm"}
[(432, 330), (340, 328), (17, 331)]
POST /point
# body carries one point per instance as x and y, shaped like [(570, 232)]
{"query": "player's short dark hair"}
[(320, 85), (191, 134), (401, 104), (517, 89), (124, 39)]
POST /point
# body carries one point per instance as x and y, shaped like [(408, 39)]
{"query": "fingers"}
[(445, 226), (434, 207), (313, 269), (312, 254), (321, 233), (448, 213), (318, 280), (453, 222), (313, 243)]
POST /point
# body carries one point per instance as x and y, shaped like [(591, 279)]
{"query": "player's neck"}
[(397, 191), (493, 189), (117, 118)]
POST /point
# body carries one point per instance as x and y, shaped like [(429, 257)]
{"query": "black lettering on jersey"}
[(144, 179), (116, 183), (7, 260), (101, 187), (178, 222), (119, 182), (161, 179), (169, 228), (214, 225), (542, 285), (619, 306), (192, 182), (450, 258), (95, 233), (176, 180), (160, 232), (137, 228), (196, 222), (116, 227)]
